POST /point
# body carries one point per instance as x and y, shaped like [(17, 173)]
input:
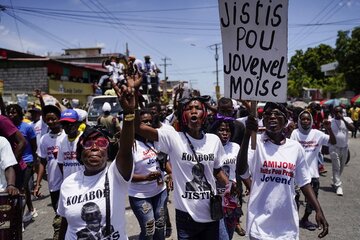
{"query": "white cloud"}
[(12, 42)]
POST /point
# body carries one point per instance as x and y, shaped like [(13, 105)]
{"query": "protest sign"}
[(254, 38)]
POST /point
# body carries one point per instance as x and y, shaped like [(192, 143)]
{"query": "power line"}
[(41, 31), (17, 28), (325, 17), (123, 11)]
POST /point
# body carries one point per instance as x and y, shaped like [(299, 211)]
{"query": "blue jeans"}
[(223, 233), (150, 215), (188, 229)]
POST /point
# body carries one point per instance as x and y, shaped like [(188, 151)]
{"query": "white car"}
[(95, 108)]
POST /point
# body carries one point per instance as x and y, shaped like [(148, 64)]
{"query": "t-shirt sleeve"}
[(165, 135), (7, 157), (349, 120), (60, 157), (114, 172), (7, 127), (61, 209), (293, 136), (324, 139), (220, 155), (302, 174), (41, 150), (31, 132)]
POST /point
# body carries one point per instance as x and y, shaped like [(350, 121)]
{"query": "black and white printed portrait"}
[(198, 183), (91, 214)]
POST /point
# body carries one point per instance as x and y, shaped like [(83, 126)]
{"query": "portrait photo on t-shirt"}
[(198, 183)]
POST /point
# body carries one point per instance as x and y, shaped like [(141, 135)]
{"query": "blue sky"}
[(179, 30)]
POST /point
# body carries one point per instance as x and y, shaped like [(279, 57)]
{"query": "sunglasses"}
[(276, 114), (100, 142)]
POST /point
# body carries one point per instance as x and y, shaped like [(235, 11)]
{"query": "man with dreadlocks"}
[(191, 150)]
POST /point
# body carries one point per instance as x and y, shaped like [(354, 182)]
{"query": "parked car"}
[(95, 108)]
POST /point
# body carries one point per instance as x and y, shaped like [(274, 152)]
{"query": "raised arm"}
[(124, 157), (242, 157), (327, 126), (348, 125)]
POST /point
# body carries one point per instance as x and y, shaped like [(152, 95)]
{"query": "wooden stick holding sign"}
[(253, 134)]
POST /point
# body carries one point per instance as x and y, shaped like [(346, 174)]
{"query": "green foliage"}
[(335, 84), (305, 69), (348, 55)]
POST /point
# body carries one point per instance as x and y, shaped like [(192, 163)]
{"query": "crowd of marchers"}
[(199, 149)]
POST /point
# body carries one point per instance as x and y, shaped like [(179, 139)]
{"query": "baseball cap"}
[(69, 115), (260, 110), (35, 108), (106, 107), (81, 113)]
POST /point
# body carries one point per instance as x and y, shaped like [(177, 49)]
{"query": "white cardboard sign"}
[(254, 38)]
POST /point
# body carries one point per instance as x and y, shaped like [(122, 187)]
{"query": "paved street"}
[(342, 213)]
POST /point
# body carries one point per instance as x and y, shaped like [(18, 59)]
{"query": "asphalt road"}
[(342, 213)]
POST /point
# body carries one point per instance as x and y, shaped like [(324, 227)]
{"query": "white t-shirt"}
[(40, 129), (190, 195), (340, 131), (170, 119), (145, 162), (67, 156), (49, 149), (82, 194), (229, 164), (272, 211), (139, 65), (312, 144), (7, 159)]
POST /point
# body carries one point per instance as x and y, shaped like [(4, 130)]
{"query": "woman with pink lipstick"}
[(194, 155)]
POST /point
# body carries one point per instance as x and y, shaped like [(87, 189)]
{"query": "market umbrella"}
[(333, 102), (345, 101), (323, 101), (355, 99)]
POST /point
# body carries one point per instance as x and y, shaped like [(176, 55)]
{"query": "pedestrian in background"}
[(339, 152)]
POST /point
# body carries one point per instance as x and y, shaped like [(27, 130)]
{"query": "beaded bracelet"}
[(129, 117)]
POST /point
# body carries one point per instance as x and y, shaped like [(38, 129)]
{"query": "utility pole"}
[(165, 97), (216, 46), (127, 51)]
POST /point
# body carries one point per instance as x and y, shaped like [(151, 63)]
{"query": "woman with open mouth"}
[(196, 160)]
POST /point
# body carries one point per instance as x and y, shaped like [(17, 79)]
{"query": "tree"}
[(315, 57), (305, 69), (347, 53)]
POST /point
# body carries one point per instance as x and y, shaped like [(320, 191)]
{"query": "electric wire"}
[(17, 28)]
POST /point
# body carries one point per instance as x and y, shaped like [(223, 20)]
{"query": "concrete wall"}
[(24, 80)]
